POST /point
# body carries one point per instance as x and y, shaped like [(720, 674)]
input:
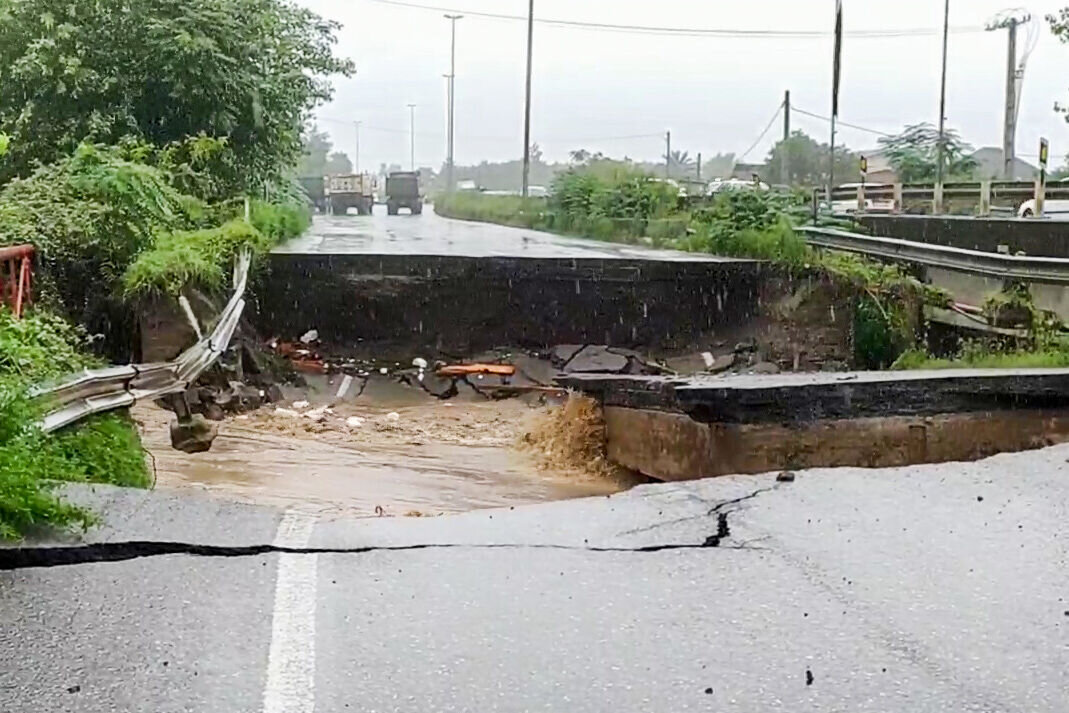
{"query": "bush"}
[(103, 449)]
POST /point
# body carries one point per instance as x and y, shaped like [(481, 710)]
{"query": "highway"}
[(431, 234), (924, 589)]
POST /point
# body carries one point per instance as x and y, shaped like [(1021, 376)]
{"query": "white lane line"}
[(290, 686)]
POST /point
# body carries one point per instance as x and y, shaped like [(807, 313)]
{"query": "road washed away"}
[(927, 588)]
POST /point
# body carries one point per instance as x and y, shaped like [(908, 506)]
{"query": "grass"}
[(1018, 359), (101, 449)]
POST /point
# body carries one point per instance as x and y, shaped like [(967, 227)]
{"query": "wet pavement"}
[(921, 589), (430, 234)]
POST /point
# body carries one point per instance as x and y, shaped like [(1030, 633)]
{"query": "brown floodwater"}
[(427, 458)]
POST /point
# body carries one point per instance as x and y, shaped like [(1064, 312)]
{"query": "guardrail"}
[(1025, 268), (99, 390), (982, 198)]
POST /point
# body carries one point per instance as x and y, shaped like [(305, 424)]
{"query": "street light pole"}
[(943, 98), (527, 109), (356, 155), (452, 76), (412, 132)]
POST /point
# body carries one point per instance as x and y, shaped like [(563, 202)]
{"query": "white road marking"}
[(290, 686)]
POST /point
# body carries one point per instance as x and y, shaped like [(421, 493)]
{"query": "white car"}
[(1054, 208)]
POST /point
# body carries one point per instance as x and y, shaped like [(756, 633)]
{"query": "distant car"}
[(1054, 208), (872, 205), (734, 184)]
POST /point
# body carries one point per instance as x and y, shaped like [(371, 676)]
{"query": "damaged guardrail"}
[(1024, 268), (98, 390)]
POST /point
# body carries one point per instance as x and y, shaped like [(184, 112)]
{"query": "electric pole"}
[(667, 154), (527, 106), (452, 76), (785, 155), (1014, 82), (699, 164), (943, 99), (412, 132), (356, 155)]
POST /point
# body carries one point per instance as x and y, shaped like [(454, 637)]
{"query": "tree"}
[(914, 154), (317, 146), (1059, 25), (680, 164), (807, 161), (161, 71), (339, 164)]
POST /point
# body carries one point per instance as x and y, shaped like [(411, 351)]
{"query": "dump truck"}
[(402, 191), (350, 191)]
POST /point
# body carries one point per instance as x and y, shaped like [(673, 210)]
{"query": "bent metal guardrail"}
[(99, 390), (1025, 268)]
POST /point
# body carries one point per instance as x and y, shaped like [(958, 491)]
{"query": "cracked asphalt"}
[(929, 588)]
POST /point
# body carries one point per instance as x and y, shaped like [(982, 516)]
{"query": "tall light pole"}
[(941, 154), (412, 133), (356, 156), (1010, 20), (527, 108), (452, 76)]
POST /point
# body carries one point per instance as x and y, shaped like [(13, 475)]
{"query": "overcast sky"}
[(716, 94)]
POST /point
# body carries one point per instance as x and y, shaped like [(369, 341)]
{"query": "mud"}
[(398, 454)]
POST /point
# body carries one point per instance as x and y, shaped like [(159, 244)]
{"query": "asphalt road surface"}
[(430, 234), (930, 588)]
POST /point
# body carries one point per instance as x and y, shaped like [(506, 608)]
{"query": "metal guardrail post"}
[(861, 198), (937, 200), (899, 205)]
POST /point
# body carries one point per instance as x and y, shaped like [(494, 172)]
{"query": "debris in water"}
[(808, 677), (354, 422), (419, 363), (312, 335), (301, 405), (477, 370), (393, 416), (785, 477), (288, 413), (709, 359), (384, 371)]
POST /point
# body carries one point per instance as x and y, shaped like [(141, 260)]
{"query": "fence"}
[(982, 198), (16, 277), (99, 390)]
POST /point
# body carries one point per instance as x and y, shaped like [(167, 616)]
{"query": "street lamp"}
[(412, 131), (452, 76)]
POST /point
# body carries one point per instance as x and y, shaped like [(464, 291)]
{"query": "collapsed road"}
[(860, 590)]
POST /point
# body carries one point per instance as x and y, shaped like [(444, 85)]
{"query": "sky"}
[(619, 92)]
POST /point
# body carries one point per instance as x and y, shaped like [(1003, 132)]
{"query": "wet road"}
[(922, 589), (430, 234)]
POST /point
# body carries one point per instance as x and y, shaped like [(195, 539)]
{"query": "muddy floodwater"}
[(364, 459)]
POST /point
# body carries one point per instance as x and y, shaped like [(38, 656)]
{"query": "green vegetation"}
[(914, 154), (103, 449), (162, 71)]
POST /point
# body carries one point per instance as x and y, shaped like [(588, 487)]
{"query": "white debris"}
[(354, 422), (312, 335), (384, 371), (419, 362), (346, 384), (242, 417), (318, 414), (301, 405), (288, 413), (393, 416), (708, 358)]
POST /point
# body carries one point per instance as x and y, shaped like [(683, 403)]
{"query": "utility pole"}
[(785, 155), (452, 76), (527, 106), (1010, 21), (412, 132), (836, 73), (356, 155), (667, 154), (699, 166), (943, 99)]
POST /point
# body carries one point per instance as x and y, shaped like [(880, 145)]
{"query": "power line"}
[(686, 31), (764, 133), (841, 122)]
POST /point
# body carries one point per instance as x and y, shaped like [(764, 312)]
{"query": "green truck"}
[(402, 191)]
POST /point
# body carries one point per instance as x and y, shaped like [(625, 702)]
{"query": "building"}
[(989, 166)]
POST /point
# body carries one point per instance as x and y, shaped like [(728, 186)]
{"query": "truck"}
[(350, 191), (402, 191)]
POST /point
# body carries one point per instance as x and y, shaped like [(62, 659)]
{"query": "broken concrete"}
[(193, 435)]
